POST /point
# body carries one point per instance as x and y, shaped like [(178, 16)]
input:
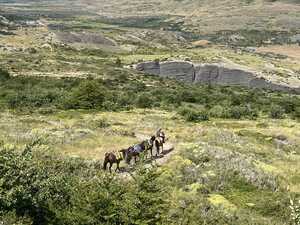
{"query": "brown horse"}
[(136, 150), (113, 157), (159, 142)]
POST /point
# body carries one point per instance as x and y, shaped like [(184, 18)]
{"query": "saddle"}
[(119, 155), (137, 148)]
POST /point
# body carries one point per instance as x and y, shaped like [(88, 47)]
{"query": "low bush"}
[(24, 93), (4, 74), (238, 112), (276, 112), (193, 115), (144, 100), (296, 113), (40, 188), (217, 112), (89, 94)]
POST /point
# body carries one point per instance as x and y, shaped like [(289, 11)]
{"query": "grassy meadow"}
[(68, 96), (203, 164)]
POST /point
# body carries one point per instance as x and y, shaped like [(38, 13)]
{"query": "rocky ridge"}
[(213, 74)]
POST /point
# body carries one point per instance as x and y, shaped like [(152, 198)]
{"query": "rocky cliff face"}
[(214, 74)]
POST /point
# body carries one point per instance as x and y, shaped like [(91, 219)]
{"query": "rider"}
[(160, 134)]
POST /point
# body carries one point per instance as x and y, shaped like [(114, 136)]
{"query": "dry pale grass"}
[(292, 51), (80, 134)]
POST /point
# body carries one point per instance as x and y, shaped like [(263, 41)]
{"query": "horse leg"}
[(157, 148), (110, 166), (118, 168), (105, 164)]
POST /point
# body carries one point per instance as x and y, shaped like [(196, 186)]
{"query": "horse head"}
[(162, 136)]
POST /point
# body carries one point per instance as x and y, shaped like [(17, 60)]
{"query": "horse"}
[(159, 142), (134, 151), (113, 157)]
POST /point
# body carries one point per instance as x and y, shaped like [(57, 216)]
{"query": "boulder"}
[(233, 77), (180, 70), (206, 74), (149, 67)]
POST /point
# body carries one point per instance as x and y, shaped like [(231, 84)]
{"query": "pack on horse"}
[(136, 150), (114, 157), (159, 141)]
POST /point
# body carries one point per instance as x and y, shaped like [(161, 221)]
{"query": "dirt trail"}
[(160, 160), (165, 155)]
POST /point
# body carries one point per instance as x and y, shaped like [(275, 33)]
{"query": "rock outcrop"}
[(214, 74)]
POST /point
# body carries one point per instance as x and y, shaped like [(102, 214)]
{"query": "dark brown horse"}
[(159, 142), (136, 150), (114, 157)]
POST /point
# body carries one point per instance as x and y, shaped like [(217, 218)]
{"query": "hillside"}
[(70, 92)]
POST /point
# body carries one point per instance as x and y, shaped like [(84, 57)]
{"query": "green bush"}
[(145, 100), (296, 113), (4, 75), (217, 112), (118, 93), (238, 112), (10, 218), (276, 112), (45, 189), (192, 115), (90, 94)]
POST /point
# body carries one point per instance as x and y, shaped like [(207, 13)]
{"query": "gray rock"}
[(180, 70), (233, 77), (206, 74), (149, 67), (214, 74)]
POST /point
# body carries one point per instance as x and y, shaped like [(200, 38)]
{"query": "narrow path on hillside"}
[(164, 156), (159, 160)]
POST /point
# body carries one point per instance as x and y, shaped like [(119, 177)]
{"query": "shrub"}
[(89, 94), (217, 111), (47, 189), (144, 100), (296, 113), (4, 74), (118, 62), (11, 218), (295, 212), (203, 115), (238, 112), (276, 112), (288, 104), (193, 115), (31, 98)]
